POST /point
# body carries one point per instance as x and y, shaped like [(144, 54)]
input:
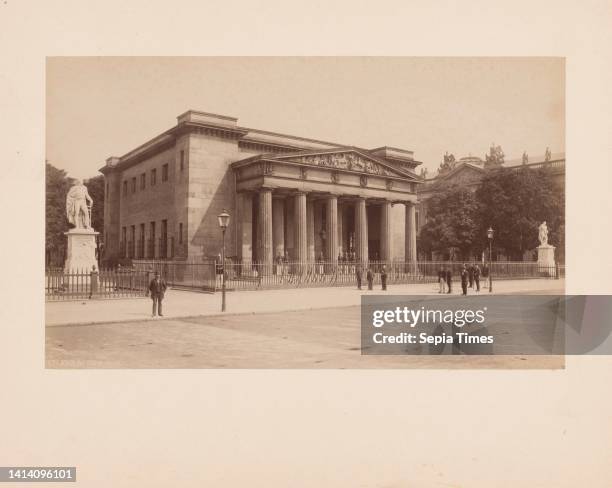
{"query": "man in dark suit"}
[(157, 288), (383, 277), (358, 274), (477, 277), (441, 279), (471, 275), (465, 276), (370, 278), (449, 279)]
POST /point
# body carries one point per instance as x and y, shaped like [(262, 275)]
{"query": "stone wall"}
[(211, 189), (153, 204)]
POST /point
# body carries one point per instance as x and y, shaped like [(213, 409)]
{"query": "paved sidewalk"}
[(180, 303)]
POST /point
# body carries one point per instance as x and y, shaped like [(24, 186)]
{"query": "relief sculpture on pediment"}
[(348, 161)]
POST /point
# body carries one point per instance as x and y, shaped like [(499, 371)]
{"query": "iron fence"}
[(181, 274), (207, 274), (87, 285)]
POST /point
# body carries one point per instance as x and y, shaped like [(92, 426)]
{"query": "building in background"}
[(469, 172)]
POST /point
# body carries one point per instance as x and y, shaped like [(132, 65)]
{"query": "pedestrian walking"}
[(449, 280), (442, 280), (383, 277), (477, 278), (471, 275), (370, 278), (358, 275), (465, 276), (157, 288)]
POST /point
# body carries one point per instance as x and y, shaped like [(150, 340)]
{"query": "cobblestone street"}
[(324, 338)]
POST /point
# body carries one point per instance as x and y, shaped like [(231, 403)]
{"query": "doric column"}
[(340, 226), (411, 249), (278, 226), (331, 230), (386, 235), (361, 231), (310, 231), (245, 227), (265, 228), (301, 243)]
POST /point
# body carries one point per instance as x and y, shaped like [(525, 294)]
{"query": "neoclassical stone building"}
[(287, 195)]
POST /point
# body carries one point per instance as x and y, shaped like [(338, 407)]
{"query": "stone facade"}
[(286, 195)]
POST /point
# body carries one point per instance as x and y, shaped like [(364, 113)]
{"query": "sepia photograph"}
[(280, 244), (234, 212)]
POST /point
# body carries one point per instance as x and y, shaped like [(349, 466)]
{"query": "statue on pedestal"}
[(81, 250), (546, 252), (543, 234), (78, 206)]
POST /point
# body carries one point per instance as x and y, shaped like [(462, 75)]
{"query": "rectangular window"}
[(165, 172), (125, 188), (132, 245), (123, 241), (152, 240), (134, 184), (180, 232), (163, 244), (141, 241), (143, 181), (153, 176), (182, 160)]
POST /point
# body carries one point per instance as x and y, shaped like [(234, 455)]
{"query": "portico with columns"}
[(324, 205)]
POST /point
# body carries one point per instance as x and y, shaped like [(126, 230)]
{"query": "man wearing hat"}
[(157, 288)]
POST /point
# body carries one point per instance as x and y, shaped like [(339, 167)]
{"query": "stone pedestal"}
[(546, 259), (81, 252)]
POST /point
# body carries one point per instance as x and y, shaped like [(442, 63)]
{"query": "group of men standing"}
[(370, 277), (470, 276)]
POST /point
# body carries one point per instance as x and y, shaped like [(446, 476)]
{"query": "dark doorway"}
[(373, 213)]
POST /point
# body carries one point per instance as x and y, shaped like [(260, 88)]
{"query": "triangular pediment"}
[(349, 160)]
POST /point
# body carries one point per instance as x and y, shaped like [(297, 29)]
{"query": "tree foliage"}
[(452, 223), (57, 185), (95, 187), (514, 203)]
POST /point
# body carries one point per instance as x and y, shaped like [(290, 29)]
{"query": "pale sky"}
[(101, 107)]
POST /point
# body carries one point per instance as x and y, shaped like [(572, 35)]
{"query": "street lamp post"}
[(490, 233), (224, 219)]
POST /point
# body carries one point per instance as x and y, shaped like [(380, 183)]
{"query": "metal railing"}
[(86, 285), (207, 275), (181, 274)]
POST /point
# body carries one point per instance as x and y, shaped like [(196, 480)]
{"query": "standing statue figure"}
[(543, 234), (525, 157), (547, 154), (78, 206)]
